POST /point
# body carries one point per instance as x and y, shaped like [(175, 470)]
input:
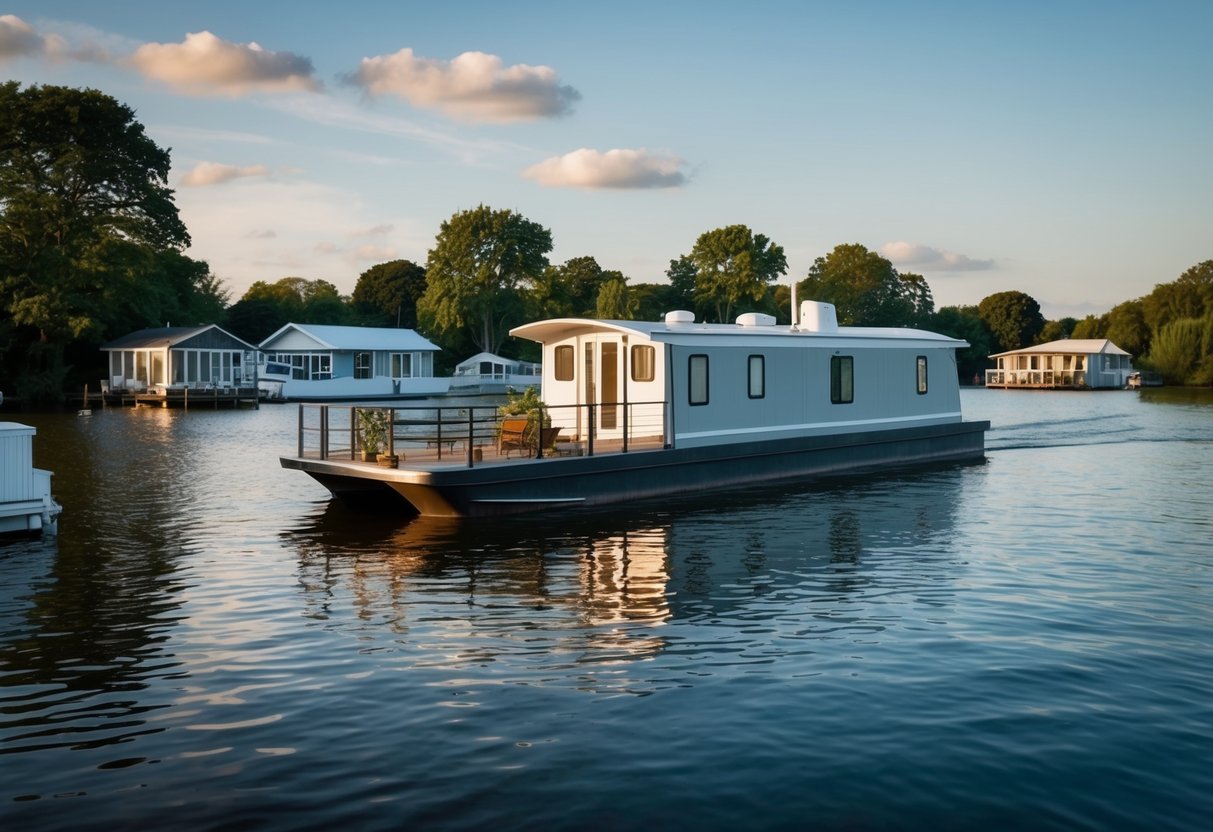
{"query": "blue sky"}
[(1056, 148)]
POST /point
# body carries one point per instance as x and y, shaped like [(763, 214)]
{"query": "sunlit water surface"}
[(1021, 644)]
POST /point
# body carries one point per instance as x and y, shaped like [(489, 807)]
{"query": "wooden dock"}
[(184, 398)]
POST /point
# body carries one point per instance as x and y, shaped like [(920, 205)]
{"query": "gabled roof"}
[(166, 336), (1069, 346), (331, 337)]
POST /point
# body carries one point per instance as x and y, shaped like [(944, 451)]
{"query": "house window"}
[(697, 375), (842, 379), (402, 365), (922, 374), (644, 363), (758, 377), (564, 363), (362, 365)]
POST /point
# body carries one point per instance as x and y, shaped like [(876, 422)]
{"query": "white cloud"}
[(377, 254), (619, 168), (932, 259), (374, 231), (216, 173), (18, 39), (475, 86), (207, 65)]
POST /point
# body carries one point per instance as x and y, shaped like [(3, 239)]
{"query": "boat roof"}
[(1068, 346), (333, 337), (475, 360), (557, 329)]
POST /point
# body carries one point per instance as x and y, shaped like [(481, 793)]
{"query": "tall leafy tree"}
[(733, 264), (1013, 318), (480, 259), (386, 294), (84, 206), (965, 322), (865, 288), (615, 301)]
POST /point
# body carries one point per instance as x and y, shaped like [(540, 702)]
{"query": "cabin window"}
[(362, 365), (842, 379), (758, 377), (564, 363), (402, 365), (922, 374), (697, 376), (644, 362)]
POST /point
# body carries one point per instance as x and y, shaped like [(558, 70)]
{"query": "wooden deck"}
[(214, 398)]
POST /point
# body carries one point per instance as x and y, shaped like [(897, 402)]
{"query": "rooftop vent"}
[(755, 319), (816, 316), (680, 316)]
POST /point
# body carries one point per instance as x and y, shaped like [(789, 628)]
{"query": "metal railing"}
[(474, 435)]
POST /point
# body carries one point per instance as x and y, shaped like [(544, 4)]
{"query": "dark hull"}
[(544, 484)]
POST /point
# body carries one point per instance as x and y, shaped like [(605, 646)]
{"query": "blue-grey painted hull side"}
[(534, 485)]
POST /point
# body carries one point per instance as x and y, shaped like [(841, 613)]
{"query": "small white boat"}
[(485, 372), (27, 506)]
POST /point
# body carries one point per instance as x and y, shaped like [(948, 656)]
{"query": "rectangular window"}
[(362, 365), (758, 377), (564, 363), (842, 379), (402, 365), (644, 363), (697, 378), (922, 374)]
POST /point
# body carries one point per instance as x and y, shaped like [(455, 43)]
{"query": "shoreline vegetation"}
[(91, 248)]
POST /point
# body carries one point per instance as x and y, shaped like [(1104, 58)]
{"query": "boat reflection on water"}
[(612, 584)]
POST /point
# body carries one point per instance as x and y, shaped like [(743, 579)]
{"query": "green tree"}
[(965, 322), (732, 264), (865, 289), (386, 294), (1178, 349), (480, 260), (85, 212), (1013, 318), (615, 302)]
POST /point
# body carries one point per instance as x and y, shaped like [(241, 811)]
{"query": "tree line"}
[(91, 248)]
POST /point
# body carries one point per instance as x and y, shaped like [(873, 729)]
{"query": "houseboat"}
[(27, 507), (170, 360), (315, 362), (635, 409), (1069, 364), (486, 373)]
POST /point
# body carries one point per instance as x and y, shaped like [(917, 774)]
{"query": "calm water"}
[(1021, 644)]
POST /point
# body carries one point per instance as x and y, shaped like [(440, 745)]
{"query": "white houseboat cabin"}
[(699, 384), (175, 357), (485, 372), (323, 362), (1072, 363)]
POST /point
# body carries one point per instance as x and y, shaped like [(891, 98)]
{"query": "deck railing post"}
[(471, 432), (539, 434), (299, 439), (589, 434), (626, 409), (391, 431), (438, 433)]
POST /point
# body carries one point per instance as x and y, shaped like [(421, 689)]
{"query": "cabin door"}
[(602, 376)]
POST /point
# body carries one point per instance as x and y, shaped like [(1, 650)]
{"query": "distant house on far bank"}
[(1077, 363), (317, 362), (176, 357)]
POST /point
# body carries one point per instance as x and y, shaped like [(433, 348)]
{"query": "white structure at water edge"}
[(26, 504), (320, 362), (1072, 363), (485, 372)]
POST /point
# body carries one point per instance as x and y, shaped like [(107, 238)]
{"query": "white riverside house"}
[(325, 362), (1072, 363), (175, 357), (489, 373)]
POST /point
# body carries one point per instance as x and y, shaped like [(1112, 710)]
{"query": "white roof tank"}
[(816, 316), (755, 319), (680, 316)]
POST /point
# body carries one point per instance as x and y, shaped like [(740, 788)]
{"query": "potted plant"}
[(373, 426), (528, 405)]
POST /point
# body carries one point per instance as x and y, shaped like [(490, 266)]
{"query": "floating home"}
[(645, 409), (1069, 364), (319, 362), (489, 373), (168, 365)]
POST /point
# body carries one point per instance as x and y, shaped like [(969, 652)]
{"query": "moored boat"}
[(634, 409), (27, 506)]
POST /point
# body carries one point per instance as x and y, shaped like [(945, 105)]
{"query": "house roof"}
[(1069, 346), (166, 336), (328, 336)]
